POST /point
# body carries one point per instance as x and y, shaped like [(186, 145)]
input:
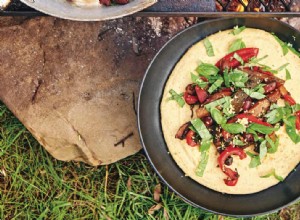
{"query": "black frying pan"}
[(155, 147)]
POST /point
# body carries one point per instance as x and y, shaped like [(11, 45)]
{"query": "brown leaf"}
[(129, 184), (154, 208), (166, 214), (285, 214), (157, 192), (220, 217)]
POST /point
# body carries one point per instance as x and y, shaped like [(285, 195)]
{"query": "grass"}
[(33, 185)]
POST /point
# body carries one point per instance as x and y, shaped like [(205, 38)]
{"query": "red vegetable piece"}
[(201, 93), (105, 2), (270, 87), (298, 123), (289, 99), (231, 182), (121, 2), (226, 135), (190, 89), (297, 113), (218, 95), (230, 62), (190, 139), (253, 119), (230, 150), (232, 175), (190, 99)]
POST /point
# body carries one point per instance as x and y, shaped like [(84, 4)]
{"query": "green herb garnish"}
[(207, 70), (238, 78), (254, 94), (262, 150), (273, 173), (287, 74), (255, 161), (217, 116), (238, 58), (216, 85), (201, 129), (209, 48), (290, 126), (198, 81), (261, 128), (205, 145), (234, 128), (236, 30), (273, 146), (237, 45), (177, 97)]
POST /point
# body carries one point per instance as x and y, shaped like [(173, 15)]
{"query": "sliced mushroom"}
[(182, 131), (260, 108), (202, 112)]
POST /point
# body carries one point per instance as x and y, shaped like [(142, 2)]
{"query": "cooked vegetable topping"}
[(236, 108)]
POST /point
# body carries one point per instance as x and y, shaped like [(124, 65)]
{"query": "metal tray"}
[(200, 8)]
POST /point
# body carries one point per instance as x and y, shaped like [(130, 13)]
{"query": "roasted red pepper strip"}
[(232, 175), (230, 62), (297, 120), (190, 99), (190, 139), (289, 99), (252, 118), (231, 182), (201, 94)]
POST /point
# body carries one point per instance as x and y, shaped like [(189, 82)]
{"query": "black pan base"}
[(263, 202)]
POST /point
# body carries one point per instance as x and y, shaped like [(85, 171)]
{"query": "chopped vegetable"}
[(234, 128), (287, 74)]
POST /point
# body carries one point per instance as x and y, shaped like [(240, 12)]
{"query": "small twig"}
[(133, 102), (122, 141), (102, 33)]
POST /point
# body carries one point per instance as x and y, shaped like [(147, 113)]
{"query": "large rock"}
[(74, 85)]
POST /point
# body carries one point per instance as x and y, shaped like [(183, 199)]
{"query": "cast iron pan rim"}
[(141, 137)]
